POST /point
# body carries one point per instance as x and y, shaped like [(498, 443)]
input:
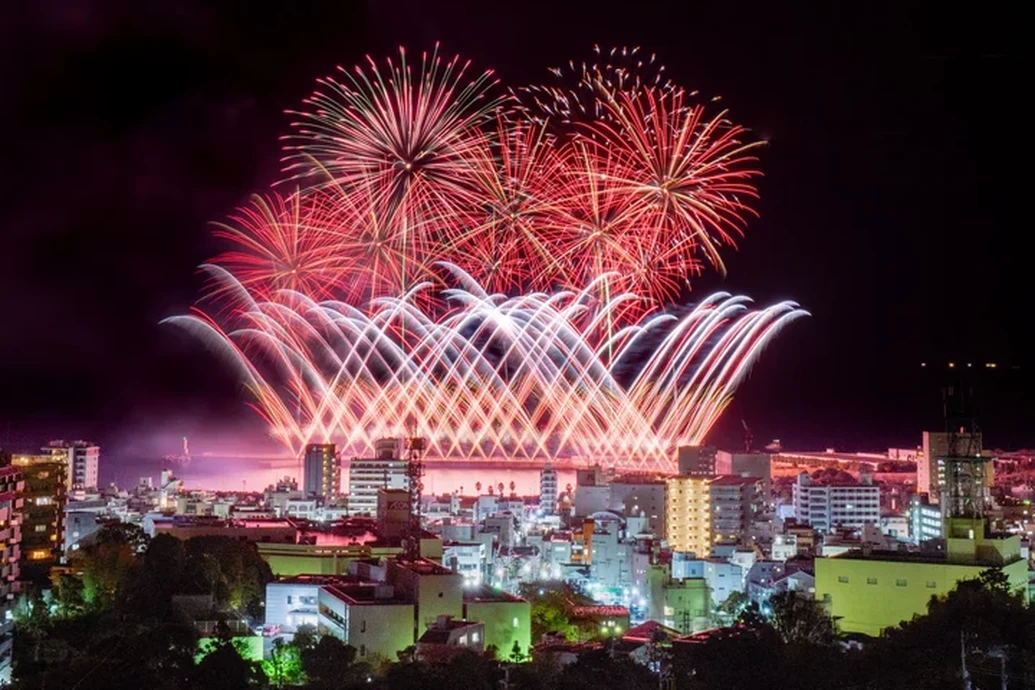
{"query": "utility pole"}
[(963, 659)]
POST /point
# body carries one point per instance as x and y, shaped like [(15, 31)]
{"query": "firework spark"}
[(494, 270), (493, 377)]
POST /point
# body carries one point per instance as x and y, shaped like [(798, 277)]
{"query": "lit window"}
[(515, 621), (41, 528)]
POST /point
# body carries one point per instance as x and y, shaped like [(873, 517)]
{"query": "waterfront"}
[(255, 473)]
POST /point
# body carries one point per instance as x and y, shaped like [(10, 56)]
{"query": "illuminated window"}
[(40, 528), (39, 554), (515, 621)]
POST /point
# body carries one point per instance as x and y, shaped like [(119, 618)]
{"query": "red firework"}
[(284, 243), (690, 175), (517, 177), (405, 143)]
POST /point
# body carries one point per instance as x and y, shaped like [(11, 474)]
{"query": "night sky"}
[(893, 206)]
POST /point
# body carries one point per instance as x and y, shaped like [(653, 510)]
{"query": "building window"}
[(475, 637), (931, 584), (842, 579), (362, 650), (363, 625), (41, 528), (871, 580), (289, 599), (900, 583), (515, 621)]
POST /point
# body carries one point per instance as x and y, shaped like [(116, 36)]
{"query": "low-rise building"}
[(371, 617), (870, 591), (723, 579), (507, 618), (446, 637)]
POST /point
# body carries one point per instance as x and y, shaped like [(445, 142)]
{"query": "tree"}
[(223, 668), (516, 655), (734, 605), (284, 666), (798, 619), (600, 669), (330, 663)]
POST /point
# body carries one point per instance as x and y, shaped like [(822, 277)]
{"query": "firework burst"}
[(494, 270)]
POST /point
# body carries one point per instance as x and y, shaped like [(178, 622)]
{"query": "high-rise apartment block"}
[(735, 502), (11, 487), (688, 515), (83, 460), (386, 470), (548, 490), (696, 461), (830, 506), (43, 513), (321, 476)]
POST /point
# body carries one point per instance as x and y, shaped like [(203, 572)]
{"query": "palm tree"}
[(512, 487), (478, 487), (500, 487)]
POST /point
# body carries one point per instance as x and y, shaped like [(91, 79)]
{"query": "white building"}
[(293, 601), (466, 558), (925, 519), (685, 566), (83, 460), (723, 579), (784, 546), (548, 490), (829, 506), (386, 470)]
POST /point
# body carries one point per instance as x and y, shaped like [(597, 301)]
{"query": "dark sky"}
[(893, 206)]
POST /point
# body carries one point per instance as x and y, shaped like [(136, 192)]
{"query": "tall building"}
[(735, 502), (640, 496), (829, 506), (386, 470), (696, 461), (83, 460), (925, 520), (548, 490), (930, 463), (688, 515), (747, 465), (321, 475), (43, 513), (11, 487)]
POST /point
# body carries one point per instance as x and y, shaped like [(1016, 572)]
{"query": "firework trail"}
[(491, 376), (495, 269)]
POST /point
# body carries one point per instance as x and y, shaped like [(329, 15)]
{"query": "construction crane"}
[(749, 438)]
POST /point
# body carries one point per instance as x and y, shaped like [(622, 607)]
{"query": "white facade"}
[(290, 603), (723, 579), (548, 490), (827, 507), (685, 566), (468, 559), (784, 546), (367, 475)]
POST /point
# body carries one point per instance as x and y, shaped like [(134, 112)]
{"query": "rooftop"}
[(423, 566), (487, 594), (359, 594), (734, 480), (320, 580), (906, 557), (599, 610)]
